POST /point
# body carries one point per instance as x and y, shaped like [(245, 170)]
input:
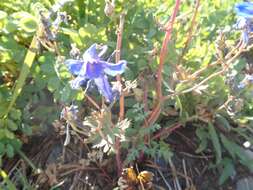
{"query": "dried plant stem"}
[(164, 179), (226, 66), (174, 173), (166, 130), (198, 72), (121, 101), (185, 173), (92, 102)]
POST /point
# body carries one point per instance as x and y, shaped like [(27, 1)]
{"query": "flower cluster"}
[(92, 68), (244, 23)]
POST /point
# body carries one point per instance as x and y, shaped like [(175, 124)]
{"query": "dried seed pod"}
[(131, 181), (109, 7), (145, 178)]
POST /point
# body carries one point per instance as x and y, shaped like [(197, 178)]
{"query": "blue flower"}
[(92, 68), (248, 79), (244, 12), (244, 9)]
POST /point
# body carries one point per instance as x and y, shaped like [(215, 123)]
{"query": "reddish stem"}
[(117, 58), (169, 26), (121, 101), (166, 131)]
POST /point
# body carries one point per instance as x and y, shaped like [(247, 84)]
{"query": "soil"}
[(76, 167)]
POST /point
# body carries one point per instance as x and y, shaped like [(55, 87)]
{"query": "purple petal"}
[(114, 69), (244, 9), (241, 23), (103, 49), (245, 36), (93, 70), (91, 53), (104, 87), (74, 66)]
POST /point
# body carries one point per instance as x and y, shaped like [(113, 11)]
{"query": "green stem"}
[(23, 156), (29, 59)]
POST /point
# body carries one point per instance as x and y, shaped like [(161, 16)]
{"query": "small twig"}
[(225, 104), (197, 156), (77, 169), (198, 72), (15, 167), (185, 173), (209, 77), (166, 131), (92, 102), (164, 179), (174, 173)]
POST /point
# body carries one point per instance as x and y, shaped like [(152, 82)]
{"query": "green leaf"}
[(9, 150), (27, 130), (223, 122), (73, 35), (9, 134), (2, 133), (235, 150), (228, 170), (53, 83), (179, 105), (65, 93), (229, 146), (203, 137), (16, 144), (15, 114), (3, 15), (11, 125), (28, 24), (202, 146), (215, 142), (2, 148), (10, 26), (10, 185)]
